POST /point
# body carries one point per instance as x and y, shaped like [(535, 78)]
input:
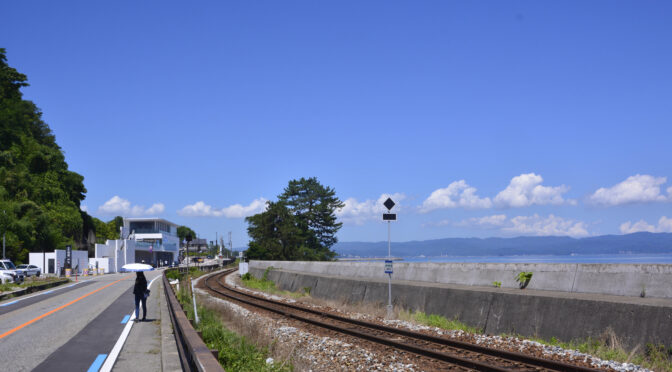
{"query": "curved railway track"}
[(456, 353)]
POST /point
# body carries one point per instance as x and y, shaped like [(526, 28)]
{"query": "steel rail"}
[(507, 355)]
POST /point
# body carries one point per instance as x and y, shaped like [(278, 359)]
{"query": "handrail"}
[(194, 354)]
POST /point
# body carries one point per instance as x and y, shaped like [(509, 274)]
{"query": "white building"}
[(150, 240), (55, 261)]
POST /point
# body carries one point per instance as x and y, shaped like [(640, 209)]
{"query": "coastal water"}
[(597, 258)]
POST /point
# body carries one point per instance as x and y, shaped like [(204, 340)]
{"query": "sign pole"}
[(389, 275), (389, 217)]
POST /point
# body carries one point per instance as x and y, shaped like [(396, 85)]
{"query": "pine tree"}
[(301, 225)]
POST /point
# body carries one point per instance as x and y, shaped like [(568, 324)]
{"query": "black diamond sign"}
[(388, 204)]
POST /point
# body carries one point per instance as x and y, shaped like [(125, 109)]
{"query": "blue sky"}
[(481, 118)]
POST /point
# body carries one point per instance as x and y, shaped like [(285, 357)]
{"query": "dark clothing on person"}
[(140, 284), (139, 290), (143, 299)]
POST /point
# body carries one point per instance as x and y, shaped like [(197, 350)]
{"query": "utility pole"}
[(4, 228), (230, 243)]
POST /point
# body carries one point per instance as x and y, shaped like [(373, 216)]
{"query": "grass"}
[(28, 282), (266, 285), (194, 272), (236, 353), (607, 347), (433, 320)]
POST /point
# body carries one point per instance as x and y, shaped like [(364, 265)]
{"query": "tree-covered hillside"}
[(39, 197)]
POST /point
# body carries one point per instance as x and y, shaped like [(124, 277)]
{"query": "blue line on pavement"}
[(9, 303), (123, 321), (47, 292), (97, 363)]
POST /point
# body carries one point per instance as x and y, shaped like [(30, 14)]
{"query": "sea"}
[(638, 258)]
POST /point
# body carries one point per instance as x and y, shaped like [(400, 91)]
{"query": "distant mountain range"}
[(642, 242)]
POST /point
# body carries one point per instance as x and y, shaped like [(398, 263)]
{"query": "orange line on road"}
[(57, 309)]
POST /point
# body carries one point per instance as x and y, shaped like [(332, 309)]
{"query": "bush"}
[(173, 274), (523, 278)]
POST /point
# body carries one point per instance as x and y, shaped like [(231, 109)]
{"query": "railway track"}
[(458, 354)]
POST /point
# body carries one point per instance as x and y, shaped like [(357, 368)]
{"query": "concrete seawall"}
[(655, 280), (530, 312)]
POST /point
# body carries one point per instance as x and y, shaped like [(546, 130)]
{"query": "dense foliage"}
[(107, 230), (183, 231), (301, 225), (39, 197)]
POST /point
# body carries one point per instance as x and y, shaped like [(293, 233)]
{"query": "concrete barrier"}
[(532, 313), (652, 280)]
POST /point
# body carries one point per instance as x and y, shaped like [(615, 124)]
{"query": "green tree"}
[(315, 208), (40, 197), (107, 230), (183, 231), (302, 225), (275, 234)]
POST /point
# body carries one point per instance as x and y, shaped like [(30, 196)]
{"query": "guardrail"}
[(194, 354)]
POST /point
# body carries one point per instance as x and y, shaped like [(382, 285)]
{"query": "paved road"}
[(68, 327)]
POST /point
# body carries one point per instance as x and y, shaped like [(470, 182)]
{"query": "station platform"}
[(150, 344)]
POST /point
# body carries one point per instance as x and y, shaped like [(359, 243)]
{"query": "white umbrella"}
[(136, 267)]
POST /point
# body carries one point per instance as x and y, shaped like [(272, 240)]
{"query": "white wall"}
[(125, 253), (614, 279), (36, 259), (103, 263), (81, 257)]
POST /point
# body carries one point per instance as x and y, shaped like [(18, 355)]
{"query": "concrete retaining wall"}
[(613, 279), (636, 321)]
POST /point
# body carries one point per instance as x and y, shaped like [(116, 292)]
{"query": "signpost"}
[(389, 204), (68, 257), (388, 266)]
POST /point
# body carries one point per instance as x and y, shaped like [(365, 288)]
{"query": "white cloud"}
[(83, 208), (546, 226), (664, 225), (640, 188), (526, 190), (122, 207), (457, 195), (525, 225), (200, 209), (355, 212), (240, 211), (155, 209), (496, 220)]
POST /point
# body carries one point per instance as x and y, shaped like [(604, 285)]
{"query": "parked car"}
[(30, 269), (6, 277), (6, 266)]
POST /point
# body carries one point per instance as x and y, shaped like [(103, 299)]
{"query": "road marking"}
[(57, 309), (123, 321), (97, 363), (109, 362), (9, 303)]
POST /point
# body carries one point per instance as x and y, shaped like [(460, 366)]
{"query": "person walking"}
[(139, 290)]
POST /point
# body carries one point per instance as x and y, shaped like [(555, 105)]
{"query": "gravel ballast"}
[(309, 349)]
